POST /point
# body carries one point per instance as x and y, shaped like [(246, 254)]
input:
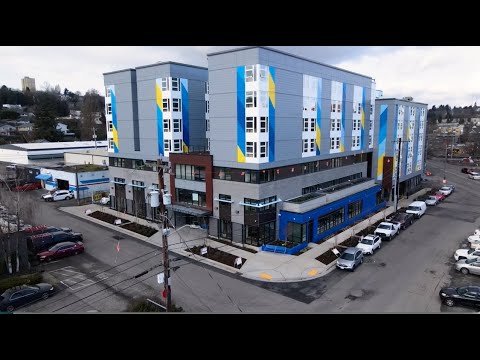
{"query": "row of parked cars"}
[(352, 257)]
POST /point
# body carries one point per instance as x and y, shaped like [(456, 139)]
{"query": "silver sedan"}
[(468, 266)]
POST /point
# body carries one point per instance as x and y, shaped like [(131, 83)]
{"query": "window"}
[(207, 88), (119, 180), (263, 149), (356, 141), (110, 143), (110, 126), (335, 125), (166, 125), (354, 209), (305, 145), (207, 106), (370, 124), (312, 144), (356, 124), (334, 143), (263, 71), (176, 105), (339, 106), (337, 143), (359, 108), (251, 99), (296, 233), (250, 73), (251, 149), (207, 124), (177, 125), (164, 84), (108, 92), (191, 197), (177, 145), (371, 109), (175, 84), (167, 145), (109, 109), (330, 220), (370, 140), (305, 124), (263, 124), (333, 107), (312, 124), (138, 183), (208, 144), (263, 95), (166, 105), (354, 108), (251, 124)]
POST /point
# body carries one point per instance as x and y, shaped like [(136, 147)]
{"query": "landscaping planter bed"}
[(287, 244), (140, 229), (217, 255), (108, 218), (328, 256), (229, 243)]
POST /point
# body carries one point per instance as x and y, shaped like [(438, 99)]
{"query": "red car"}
[(439, 196), (61, 250), (28, 187)]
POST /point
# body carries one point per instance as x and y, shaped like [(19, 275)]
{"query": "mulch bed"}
[(217, 255), (108, 218), (229, 243), (140, 229)]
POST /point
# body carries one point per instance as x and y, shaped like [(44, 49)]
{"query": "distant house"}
[(75, 114), (25, 127), (7, 130), (17, 108), (63, 128)]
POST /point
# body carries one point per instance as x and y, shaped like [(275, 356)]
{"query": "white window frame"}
[(110, 143), (253, 127), (167, 103), (305, 145), (208, 144), (337, 142), (359, 108), (207, 88), (264, 149), (109, 109), (167, 122), (262, 72), (167, 145), (253, 149), (207, 124), (263, 124), (313, 124), (207, 106), (110, 125), (370, 140), (312, 144), (253, 76), (164, 83), (108, 92), (253, 95), (332, 109), (176, 105), (178, 142), (177, 125), (332, 143), (371, 109), (177, 81), (306, 124), (339, 106)]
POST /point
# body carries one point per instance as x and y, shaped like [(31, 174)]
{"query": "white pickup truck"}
[(387, 230)]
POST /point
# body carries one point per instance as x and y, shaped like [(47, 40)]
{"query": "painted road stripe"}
[(265, 276), (313, 272)]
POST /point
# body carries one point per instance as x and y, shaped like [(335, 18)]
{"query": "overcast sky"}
[(434, 75)]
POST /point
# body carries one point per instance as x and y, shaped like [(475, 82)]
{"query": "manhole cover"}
[(382, 264)]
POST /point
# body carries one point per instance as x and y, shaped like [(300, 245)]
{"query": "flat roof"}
[(95, 152), (155, 64), (288, 54), (54, 145), (413, 102)]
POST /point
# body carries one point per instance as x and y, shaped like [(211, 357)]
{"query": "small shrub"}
[(29, 279)]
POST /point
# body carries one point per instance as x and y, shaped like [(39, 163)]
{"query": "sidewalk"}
[(262, 266)]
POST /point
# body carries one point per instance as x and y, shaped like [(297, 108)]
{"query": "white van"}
[(417, 208)]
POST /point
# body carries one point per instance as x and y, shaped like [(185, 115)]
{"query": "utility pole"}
[(445, 164), (77, 187), (95, 137), (166, 265), (397, 176)]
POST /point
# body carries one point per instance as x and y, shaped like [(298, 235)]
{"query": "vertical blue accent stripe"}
[(114, 116), (344, 96), (240, 110), (185, 112), (319, 113), (271, 121), (395, 152), (382, 138)]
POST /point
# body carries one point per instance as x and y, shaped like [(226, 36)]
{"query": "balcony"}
[(307, 202)]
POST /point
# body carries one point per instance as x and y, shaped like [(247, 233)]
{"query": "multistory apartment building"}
[(401, 139), (292, 142), (152, 112)]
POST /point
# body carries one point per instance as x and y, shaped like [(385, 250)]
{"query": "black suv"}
[(404, 219), (39, 243)]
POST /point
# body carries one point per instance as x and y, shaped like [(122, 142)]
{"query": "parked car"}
[(445, 190), (431, 200), (439, 196), (468, 266), (417, 208), (451, 186), (461, 254), (42, 242), (428, 173), (350, 259), (404, 219), (60, 250), (387, 230), (465, 295), (105, 200), (465, 170), (19, 296), (42, 229), (370, 243), (28, 187), (58, 195), (474, 175)]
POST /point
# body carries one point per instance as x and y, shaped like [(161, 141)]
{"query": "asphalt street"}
[(405, 275)]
